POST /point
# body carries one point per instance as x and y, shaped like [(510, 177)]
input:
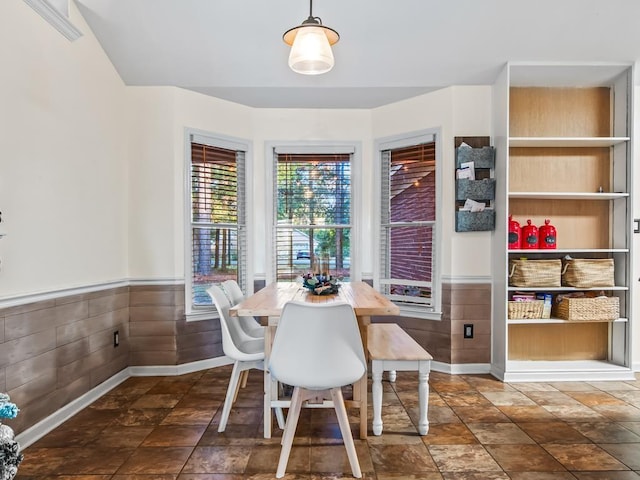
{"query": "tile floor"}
[(165, 428)]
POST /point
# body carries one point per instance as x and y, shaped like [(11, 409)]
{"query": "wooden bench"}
[(390, 348)]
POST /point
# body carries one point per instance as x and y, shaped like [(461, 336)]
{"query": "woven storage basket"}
[(598, 309), (588, 272), (535, 273), (532, 309)]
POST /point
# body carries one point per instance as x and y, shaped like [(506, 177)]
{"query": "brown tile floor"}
[(165, 428)]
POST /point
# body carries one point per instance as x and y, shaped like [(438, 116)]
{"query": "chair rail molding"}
[(58, 18)]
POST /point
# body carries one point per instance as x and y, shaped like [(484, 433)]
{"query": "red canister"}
[(514, 234), (547, 236), (529, 236)]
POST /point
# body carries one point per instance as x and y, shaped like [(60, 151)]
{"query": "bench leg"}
[(423, 396), (376, 395)]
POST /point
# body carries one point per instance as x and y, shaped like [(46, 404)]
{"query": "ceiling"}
[(388, 50)]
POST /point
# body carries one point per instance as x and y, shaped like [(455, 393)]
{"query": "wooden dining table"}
[(269, 302)]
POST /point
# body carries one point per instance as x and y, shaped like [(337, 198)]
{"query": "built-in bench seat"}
[(390, 349)]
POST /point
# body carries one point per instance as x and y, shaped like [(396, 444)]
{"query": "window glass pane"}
[(217, 236), (316, 250), (413, 184), (411, 260), (214, 181), (215, 259), (314, 189), (313, 197), (408, 214)]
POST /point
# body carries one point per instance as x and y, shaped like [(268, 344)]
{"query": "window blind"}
[(218, 218), (312, 214)]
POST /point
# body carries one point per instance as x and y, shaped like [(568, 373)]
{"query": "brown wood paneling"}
[(154, 313), (162, 328), (12, 352), (146, 357), (30, 368), (562, 341), (70, 352), (108, 303), (27, 323), (154, 343)]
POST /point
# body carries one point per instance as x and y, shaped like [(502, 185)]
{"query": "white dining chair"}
[(317, 349), (246, 352), (249, 324)]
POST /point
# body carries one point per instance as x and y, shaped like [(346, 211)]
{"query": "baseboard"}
[(44, 426), (461, 368), (171, 370)]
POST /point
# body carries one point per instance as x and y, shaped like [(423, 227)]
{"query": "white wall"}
[(457, 111), (311, 126), (63, 160)]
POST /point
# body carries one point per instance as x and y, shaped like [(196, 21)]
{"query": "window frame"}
[(193, 312), (433, 311), (272, 150)]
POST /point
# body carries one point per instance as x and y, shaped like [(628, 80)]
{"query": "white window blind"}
[(407, 221), (218, 219), (312, 214)]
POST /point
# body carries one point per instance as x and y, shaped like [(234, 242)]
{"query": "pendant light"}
[(311, 46)]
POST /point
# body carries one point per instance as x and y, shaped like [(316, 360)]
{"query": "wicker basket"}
[(588, 272), (528, 310), (535, 273), (597, 309)]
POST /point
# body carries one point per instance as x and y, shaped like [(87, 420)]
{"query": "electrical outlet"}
[(468, 330), (116, 338)]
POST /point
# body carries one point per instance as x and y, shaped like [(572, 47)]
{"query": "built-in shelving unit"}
[(564, 153)]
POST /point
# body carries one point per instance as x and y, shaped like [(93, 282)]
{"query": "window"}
[(312, 214), (408, 224), (218, 237)]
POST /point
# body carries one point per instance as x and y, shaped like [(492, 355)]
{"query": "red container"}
[(514, 234), (529, 236), (547, 236)]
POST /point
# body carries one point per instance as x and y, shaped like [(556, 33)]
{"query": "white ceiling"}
[(388, 51)]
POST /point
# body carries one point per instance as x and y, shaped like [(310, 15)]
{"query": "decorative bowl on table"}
[(320, 284)]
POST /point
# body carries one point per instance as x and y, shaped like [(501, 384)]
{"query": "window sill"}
[(199, 316), (414, 311)]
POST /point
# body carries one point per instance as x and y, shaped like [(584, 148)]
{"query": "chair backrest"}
[(233, 291), (232, 334), (317, 346)]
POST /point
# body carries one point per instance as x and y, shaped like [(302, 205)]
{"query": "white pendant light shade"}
[(311, 53), (311, 46)]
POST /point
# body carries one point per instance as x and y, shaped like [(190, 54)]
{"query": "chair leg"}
[(289, 431), (231, 393), (280, 417), (242, 383), (343, 421), (244, 377)]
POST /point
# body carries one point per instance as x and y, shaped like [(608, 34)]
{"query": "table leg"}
[(376, 395), (363, 406), (360, 394), (423, 395), (268, 340)]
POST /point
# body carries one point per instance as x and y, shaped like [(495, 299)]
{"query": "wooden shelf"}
[(562, 251), (526, 321), (566, 141), (567, 289), (568, 195)]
